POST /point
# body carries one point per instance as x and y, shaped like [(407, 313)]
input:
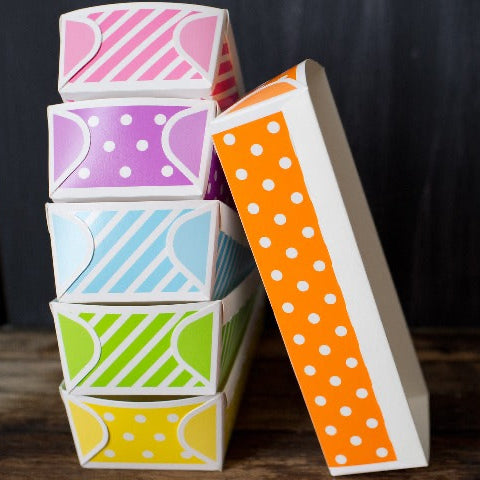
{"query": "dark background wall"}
[(405, 75)]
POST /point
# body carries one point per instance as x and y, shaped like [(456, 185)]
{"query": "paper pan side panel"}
[(296, 269)]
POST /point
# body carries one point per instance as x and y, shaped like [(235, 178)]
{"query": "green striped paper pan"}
[(176, 349)]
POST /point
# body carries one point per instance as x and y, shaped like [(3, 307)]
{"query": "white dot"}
[(319, 266), (280, 219), (268, 184), (330, 430), (109, 453), (276, 275), (160, 119), (125, 172), (186, 455), (310, 370), (355, 440), (273, 127), (341, 331), (303, 286), (126, 119), (253, 208), (382, 452), (287, 307), (256, 149), (209, 188), (159, 437), (147, 454), (362, 393), (299, 339), (345, 411), (215, 175), (142, 145), (84, 173), (324, 350), (296, 197), (167, 171), (109, 146), (109, 417), (313, 318), (351, 362), (229, 139), (172, 418), (265, 242), (128, 436), (285, 163), (93, 121), (222, 188), (241, 174), (330, 298), (341, 459), (335, 381), (291, 252), (320, 401), (140, 418), (372, 423), (308, 232)]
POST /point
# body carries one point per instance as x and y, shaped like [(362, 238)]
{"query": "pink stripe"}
[(197, 76), (114, 38), (133, 43), (224, 67), (94, 16), (111, 19), (226, 102), (159, 65), (179, 71), (224, 85), (145, 55)]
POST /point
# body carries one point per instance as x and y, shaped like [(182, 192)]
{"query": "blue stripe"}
[(145, 259), (108, 242), (176, 283), (154, 278), (234, 262), (100, 222), (223, 262), (126, 251)]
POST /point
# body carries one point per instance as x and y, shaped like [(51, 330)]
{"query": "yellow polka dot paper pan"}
[(174, 349), (168, 433), (300, 200)]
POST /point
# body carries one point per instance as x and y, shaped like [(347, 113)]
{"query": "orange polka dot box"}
[(301, 203)]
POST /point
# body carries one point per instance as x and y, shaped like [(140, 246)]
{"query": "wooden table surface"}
[(273, 438)]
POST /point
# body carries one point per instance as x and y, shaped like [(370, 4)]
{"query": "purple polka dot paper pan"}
[(134, 149)]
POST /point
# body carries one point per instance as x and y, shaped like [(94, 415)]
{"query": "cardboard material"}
[(186, 433), (300, 200), (151, 49), (177, 349), (133, 149), (146, 252)]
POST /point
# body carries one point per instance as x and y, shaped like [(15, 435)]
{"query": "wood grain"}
[(273, 438)]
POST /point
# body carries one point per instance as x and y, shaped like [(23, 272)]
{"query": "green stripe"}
[(155, 353), (181, 380), (161, 373), (115, 340), (232, 336), (86, 316), (105, 323), (127, 356), (199, 384)]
